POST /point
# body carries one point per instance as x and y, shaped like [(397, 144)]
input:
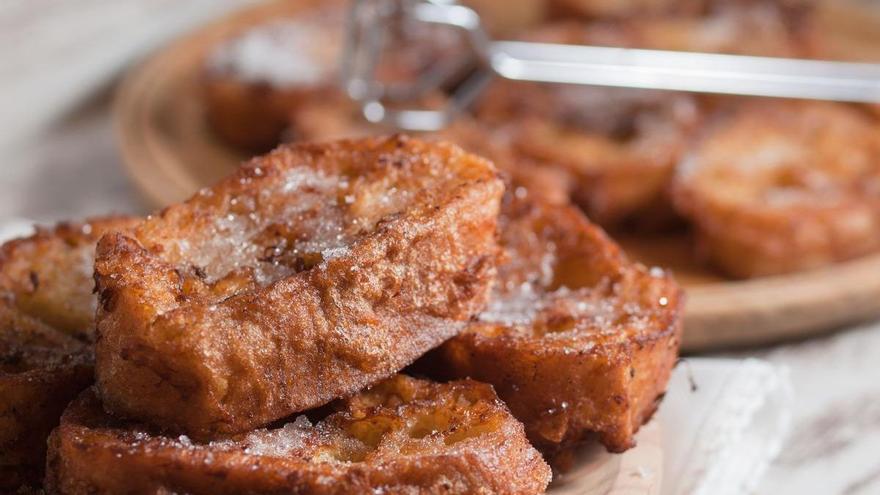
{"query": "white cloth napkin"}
[(723, 421)]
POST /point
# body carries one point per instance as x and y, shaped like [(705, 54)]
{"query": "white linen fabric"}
[(723, 423)]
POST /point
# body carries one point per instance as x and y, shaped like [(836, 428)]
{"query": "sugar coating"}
[(258, 243), (532, 310), (308, 274), (283, 53), (396, 419), (284, 441)]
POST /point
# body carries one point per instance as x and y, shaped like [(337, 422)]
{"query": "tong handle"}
[(576, 64), (368, 25), (687, 71)]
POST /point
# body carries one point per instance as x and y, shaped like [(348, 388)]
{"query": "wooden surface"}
[(723, 314), (68, 165), (170, 153)]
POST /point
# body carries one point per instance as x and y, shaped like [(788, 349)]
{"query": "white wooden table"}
[(58, 63)]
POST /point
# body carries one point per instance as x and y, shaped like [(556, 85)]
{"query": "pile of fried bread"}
[(763, 186), (382, 315)]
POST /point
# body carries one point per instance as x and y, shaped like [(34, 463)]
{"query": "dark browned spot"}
[(108, 300), (307, 261)]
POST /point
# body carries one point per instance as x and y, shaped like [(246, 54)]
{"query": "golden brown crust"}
[(46, 322), (781, 186), (308, 274), (48, 275), (403, 436), (577, 340)]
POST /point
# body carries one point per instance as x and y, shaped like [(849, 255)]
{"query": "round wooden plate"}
[(171, 153)]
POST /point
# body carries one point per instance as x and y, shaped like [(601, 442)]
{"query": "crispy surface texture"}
[(503, 18), (46, 321), (780, 186), (307, 275), (48, 276), (403, 436), (577, 340)]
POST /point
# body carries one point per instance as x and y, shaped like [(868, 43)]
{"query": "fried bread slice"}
[(252, 81), (551, 184), (46, 324), (306, 275), (675, 10), (613, 148), (48, 276), (618, 146), (338, 117), (779, 186), (577, 340), (603, 9), (41, 370), (402, 436)]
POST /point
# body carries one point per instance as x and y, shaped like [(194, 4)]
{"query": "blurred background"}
[(60, 64)]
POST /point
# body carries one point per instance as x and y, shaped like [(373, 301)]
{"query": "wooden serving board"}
[(721, 313), (170, 153)]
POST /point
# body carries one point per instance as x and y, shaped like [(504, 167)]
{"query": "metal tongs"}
[(370, 22)]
